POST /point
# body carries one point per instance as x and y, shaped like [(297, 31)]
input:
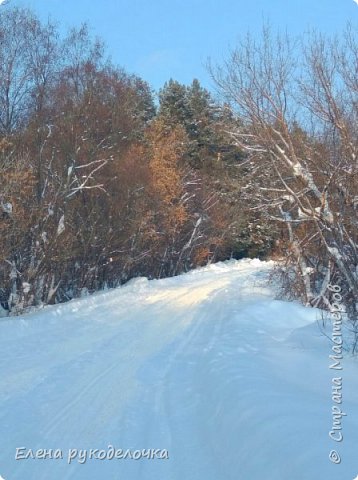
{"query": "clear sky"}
[(160, 39)]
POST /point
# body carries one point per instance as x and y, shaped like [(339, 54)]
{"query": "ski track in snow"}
[(234, 384)]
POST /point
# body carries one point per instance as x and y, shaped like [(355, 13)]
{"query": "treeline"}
[(98, 181)]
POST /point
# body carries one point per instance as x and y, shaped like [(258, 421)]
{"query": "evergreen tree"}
[(201, 129), (173, 104)]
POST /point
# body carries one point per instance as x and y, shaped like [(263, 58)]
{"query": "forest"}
[(102, 179)]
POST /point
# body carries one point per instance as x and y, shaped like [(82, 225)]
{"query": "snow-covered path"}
[(234, 384)]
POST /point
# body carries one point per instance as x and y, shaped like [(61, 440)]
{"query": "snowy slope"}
[(232, 383)]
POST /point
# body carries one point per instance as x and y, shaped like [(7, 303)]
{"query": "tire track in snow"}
[(162, 304)]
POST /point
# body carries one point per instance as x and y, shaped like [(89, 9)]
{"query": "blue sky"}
[(160, 39)]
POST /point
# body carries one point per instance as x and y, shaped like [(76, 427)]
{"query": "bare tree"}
[(297, 105), (27, 59)]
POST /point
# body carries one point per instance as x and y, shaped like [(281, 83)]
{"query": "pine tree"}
[(174, 107)]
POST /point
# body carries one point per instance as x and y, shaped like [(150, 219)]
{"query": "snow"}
[(308, 271), (26, 287), (208, 366), (7, 207), (61, 225)]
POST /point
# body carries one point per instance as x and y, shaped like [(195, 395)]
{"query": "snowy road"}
[(233, 384)]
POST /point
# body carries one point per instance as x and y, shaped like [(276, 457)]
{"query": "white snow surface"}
[(207, 365)]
